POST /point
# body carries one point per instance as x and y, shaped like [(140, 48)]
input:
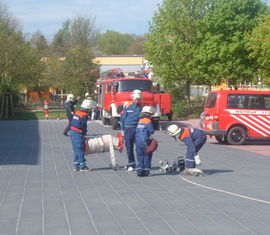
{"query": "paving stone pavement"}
[(40, 194)]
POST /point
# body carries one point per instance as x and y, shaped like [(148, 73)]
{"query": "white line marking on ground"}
[(223, 191)]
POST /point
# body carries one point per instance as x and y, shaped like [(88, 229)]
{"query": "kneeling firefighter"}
[(194, 140)]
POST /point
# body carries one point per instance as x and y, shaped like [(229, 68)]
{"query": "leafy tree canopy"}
[(222, 55), (113, 42), (259, 45)]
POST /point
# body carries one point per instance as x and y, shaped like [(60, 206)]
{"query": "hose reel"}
[(104, 143)]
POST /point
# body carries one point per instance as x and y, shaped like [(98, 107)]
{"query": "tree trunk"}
[(188, 94)]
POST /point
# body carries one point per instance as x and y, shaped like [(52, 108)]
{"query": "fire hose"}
[(104, 143)]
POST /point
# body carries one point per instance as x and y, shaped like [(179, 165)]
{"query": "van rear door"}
[(210, 111)]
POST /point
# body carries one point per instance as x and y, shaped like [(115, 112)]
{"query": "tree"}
[(76, 72), (7, 19), (222, 55), (83, 32), (80, 70), (172, 42), (136, 47), (39, 42), (19, 63), (113, 42), (259, 46), (61, 41)]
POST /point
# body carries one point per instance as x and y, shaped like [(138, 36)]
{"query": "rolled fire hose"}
[(105, 143), (101, 143)]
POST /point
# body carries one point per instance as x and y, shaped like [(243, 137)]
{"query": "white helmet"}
[(88, 96), (173, 130), (147, 109), (70, 97), (136, 94), (86, 104)]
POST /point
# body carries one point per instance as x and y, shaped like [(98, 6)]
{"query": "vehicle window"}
[(266, 102), (211, 100), (253, 101), (236, 101), (130, 85)]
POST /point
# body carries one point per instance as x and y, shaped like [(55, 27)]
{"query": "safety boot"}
[(192, 171), (85, 169)]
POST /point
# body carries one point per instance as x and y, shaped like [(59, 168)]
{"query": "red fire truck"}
[(114, 89)]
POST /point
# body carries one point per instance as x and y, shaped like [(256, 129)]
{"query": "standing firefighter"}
[(71, 101), (144, 131), (129, 121), (194, 140), (78, 131), (93, 105)]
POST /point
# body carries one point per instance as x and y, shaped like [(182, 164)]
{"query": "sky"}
[(47, 16)]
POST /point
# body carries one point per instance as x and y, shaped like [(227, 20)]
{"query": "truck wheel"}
[(155, 124), (236, 135), (105, 121), (114, 122), (169, 115), (221, 140)]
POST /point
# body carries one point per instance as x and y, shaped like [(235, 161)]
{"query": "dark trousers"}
[(129, 143), (77, 140), (143, 164), (68, 126)]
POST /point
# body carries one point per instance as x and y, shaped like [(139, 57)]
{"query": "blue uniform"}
[(129, 121), (194, 139), (144, 131), (78, 130)]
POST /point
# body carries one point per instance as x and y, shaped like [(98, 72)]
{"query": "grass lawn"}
[(34, 115)]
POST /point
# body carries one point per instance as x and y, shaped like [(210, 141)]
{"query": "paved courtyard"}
[(40, 194)]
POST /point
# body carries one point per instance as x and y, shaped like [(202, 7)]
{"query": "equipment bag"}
[(152, 146)]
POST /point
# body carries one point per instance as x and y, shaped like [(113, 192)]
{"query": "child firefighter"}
[(194, 140), (144, 130)]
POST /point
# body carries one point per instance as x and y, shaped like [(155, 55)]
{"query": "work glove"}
[(198, 161)]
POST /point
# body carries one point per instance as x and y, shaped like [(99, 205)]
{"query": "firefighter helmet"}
[(88, 96), (147, 109), (136, 94), (70, 97), (86, 104), (173, 130)]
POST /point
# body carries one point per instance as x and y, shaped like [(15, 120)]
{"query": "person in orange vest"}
[(144, 131), (129, 121), (194, 140), (78, 130)]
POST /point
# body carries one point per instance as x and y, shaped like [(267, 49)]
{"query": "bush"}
[(180, 109)]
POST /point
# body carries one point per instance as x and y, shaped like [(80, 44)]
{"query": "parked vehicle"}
[(114, 89), (232, 116)]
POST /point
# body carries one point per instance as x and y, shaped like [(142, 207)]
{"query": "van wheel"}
[(236, 135), (221, 139)]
